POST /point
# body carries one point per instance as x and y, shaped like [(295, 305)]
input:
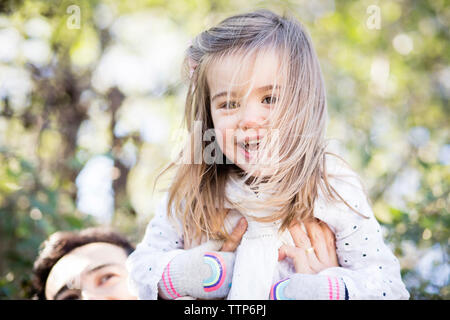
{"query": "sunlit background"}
[(91, 99)]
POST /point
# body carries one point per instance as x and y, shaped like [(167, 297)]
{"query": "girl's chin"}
[(248, 167)]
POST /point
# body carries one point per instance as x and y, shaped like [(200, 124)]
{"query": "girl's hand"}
[(314, 251)]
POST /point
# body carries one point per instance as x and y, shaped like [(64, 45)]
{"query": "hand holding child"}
[(314, 250), (233, 242)]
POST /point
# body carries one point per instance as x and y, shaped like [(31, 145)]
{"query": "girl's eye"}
[(272, 99), (230, 105)]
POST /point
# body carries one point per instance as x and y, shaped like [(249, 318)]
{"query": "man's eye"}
[(71, 295), (105, 278), (271, 100)]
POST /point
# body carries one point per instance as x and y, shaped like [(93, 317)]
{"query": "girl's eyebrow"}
[(232, 93)]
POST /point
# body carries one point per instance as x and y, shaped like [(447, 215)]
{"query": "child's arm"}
[(161, 255), (199, 274), (203, 272), (368, 268), (309, 287), (161, 243)]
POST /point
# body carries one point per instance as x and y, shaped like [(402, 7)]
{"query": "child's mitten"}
[(199, 274), (309, 287)]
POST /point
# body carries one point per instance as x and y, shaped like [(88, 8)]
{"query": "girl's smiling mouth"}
[(249, 147)]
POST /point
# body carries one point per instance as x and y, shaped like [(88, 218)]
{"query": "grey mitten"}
[(309, 287), (199, 274)]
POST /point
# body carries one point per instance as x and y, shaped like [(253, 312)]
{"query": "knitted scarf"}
[(257, 255)]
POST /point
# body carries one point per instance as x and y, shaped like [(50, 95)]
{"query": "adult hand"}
[(233, 242), (315, 249)]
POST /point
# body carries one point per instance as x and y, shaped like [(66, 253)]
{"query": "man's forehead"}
[(93, 249), (73, 264)]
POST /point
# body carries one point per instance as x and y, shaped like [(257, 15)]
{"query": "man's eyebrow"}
[(264, 88), (90, 271)]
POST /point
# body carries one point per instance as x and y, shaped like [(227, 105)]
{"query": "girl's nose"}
[(252, 115)]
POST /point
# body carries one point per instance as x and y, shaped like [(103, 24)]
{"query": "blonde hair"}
[(196, 194)]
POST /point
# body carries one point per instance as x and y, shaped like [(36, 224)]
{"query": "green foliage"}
[(30, 212)]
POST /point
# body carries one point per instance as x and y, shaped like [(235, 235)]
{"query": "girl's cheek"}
[(223, 139), (225, 127)]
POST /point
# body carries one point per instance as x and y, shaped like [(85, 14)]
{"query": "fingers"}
[(314, 264), (330, 241), (317, 246), (281, 254), (307, 249), (235, 238), (317, 239), (329, 236), (300, 237), (298, 256)]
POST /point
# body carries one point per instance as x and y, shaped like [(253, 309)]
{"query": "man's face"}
[(95, 271)]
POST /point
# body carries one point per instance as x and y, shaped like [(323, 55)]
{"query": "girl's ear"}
[(192, 65)]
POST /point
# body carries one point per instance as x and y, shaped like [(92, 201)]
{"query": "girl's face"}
[(241, 121)]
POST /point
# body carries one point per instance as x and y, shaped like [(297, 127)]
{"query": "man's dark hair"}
[(62, 242)]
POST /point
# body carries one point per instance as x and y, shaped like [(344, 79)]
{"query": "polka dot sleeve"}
[(367, 265), (161, 243)]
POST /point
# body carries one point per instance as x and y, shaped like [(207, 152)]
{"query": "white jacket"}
[(367, 265)]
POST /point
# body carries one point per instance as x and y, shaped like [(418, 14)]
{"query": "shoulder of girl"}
[(349, 187)]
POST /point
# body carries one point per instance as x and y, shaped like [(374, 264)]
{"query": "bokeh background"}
[(91, 99)]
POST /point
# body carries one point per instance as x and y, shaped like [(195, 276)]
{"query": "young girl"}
[(256, 114)]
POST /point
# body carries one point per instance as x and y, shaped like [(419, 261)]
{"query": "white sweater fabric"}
[(368, 267)]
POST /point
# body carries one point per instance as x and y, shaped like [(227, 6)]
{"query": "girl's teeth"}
[(251, 146)]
